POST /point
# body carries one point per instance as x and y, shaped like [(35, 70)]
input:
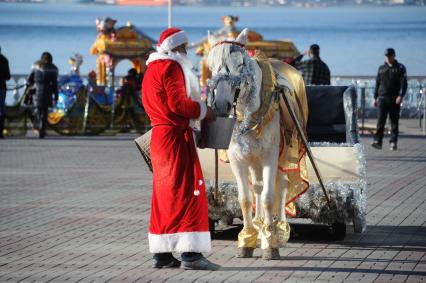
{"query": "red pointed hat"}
[(170, 39)]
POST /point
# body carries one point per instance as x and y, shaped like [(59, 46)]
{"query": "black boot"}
[(165, 260), (196, 261)]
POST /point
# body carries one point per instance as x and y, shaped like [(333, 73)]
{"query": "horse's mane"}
[(218, 56)]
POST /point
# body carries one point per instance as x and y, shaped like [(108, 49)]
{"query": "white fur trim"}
[(198, 242), (173, 41), (203, 110), (158, 56)]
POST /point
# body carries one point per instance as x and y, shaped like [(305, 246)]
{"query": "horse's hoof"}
[(271, 254), (245, 252)]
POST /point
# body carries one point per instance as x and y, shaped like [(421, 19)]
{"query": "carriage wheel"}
[(338, 231), (212, 224), (359, 223)]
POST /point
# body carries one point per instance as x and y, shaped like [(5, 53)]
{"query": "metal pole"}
[(216, 178), (86, 110), (424, 110), (170, 18), (113, 99), (363, 107)]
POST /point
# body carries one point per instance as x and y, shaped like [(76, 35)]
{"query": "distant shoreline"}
[(209, 3)]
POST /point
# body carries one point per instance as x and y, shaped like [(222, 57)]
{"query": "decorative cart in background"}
[(90, 108)]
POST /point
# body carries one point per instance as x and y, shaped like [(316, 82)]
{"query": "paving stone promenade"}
[(77, 209)]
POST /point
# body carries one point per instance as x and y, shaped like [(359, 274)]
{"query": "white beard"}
[(191, 80)]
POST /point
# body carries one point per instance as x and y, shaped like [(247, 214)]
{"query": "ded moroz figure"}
[(179, 212)]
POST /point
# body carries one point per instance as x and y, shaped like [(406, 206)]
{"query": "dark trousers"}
[(387, 106), (2, 110), (40, 120), (187, 256), (2, 118)]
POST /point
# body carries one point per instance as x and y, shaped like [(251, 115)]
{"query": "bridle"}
[(233, 80)]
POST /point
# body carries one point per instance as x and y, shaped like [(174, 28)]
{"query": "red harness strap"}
[(230, 42)]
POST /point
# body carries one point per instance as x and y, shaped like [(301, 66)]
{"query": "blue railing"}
[(413, 105)]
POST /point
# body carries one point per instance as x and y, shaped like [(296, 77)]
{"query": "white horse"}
[(255, 146)]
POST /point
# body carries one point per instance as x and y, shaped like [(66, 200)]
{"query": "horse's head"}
[(231, 71)]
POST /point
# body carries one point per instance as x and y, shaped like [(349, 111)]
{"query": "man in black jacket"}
[(44, 76), (4, 76), (391, 86)]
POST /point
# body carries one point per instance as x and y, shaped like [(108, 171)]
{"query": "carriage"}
[(339, 197), (94, 106), (334, 141)]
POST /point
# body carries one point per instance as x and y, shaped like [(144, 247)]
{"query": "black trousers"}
[(40, 120), (2, 118), (387, 106), (2, 110)]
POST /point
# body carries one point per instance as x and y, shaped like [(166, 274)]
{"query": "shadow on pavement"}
[(407, 238), (300, 232), (325, 269)]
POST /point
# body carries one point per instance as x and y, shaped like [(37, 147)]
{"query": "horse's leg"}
[(280, 194), (283, 228), (257, 185), (248, 236), (268, 192), (269, 239)]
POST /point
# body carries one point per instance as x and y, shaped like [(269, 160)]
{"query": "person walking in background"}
[(44, 76), (314, 70), (132, 83), (179, 211), (391, 86), (4, 76), (132, 74)]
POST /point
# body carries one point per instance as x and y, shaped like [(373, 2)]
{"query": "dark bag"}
[(29, 93)]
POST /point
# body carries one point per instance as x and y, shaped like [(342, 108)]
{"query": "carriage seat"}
[(332, 114)]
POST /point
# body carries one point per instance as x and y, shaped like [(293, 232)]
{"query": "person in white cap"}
[(179, 211)]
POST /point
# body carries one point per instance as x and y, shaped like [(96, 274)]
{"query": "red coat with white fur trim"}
[(179, 213), (164, 95)]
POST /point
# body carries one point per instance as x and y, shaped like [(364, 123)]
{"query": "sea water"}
[(352, 39)]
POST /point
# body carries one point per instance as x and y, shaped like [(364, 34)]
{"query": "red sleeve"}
[(177, 99)]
